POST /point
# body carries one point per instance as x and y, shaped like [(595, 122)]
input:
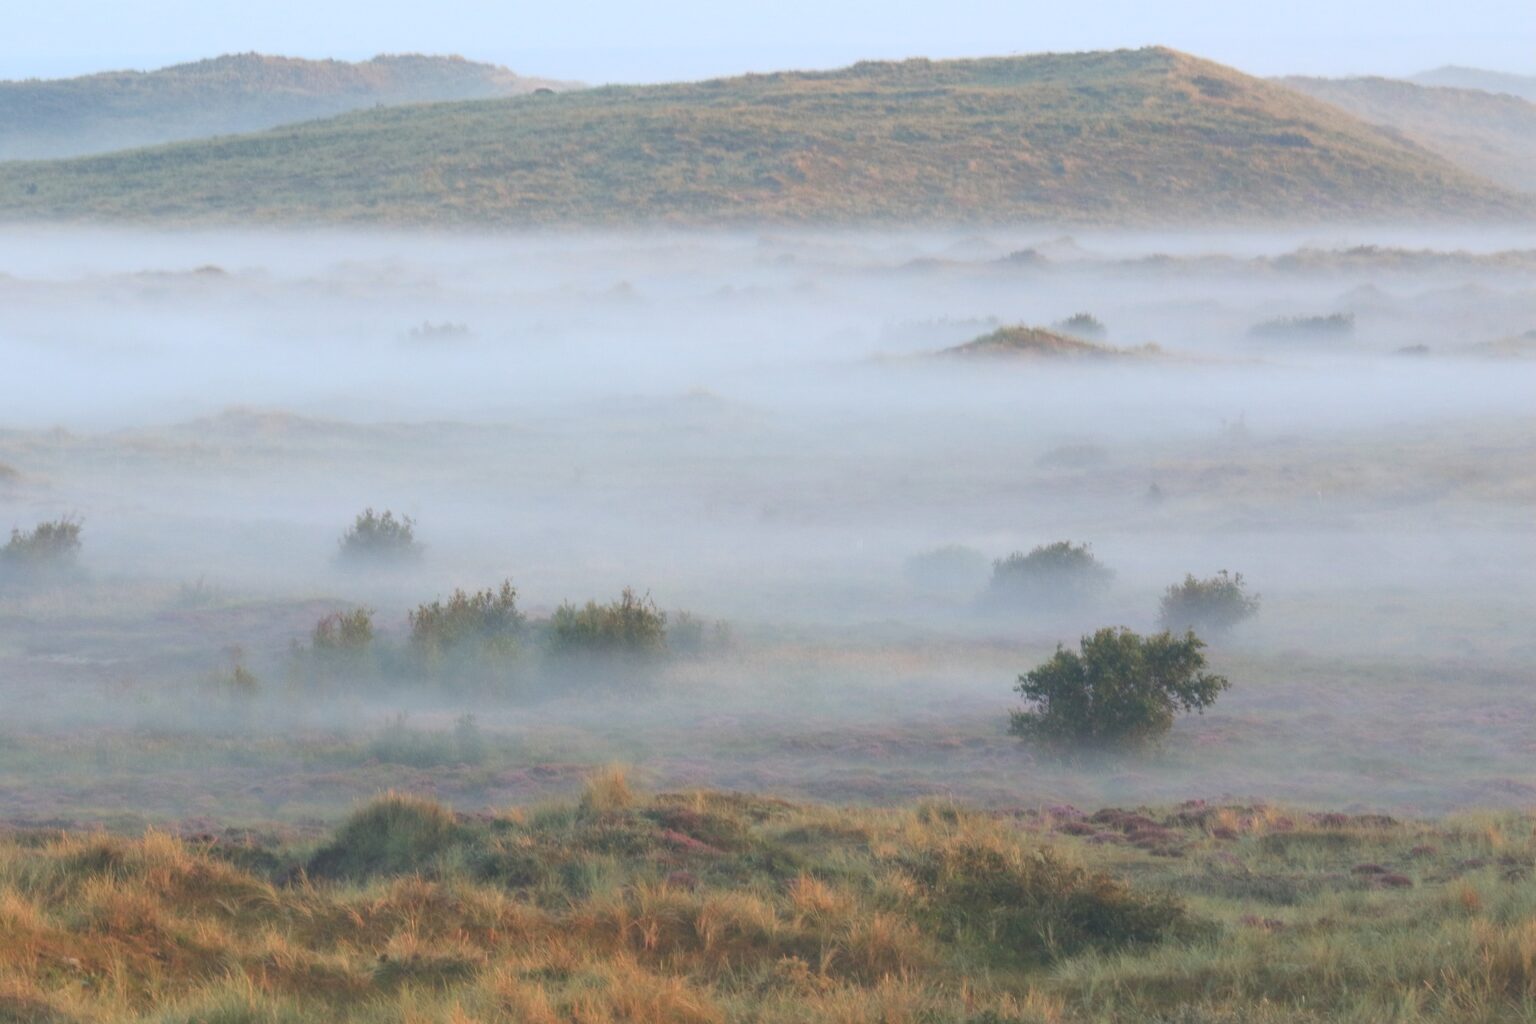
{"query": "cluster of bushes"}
[(1336, 325), (49, 550), (482, 639), (1211, 606)]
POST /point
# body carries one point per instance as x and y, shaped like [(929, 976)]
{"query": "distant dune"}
[(1149, 136), (227, 95), (1474, 78), (1490, 134)]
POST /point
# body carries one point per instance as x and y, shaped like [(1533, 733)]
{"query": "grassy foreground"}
[(710, 906)]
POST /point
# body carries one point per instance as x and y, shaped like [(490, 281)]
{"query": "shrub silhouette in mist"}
[(49, 549), (1118, 690), (342, 633), (1062, 574), (632, 626), (1212, 606), (375, 539), (1082, 325)]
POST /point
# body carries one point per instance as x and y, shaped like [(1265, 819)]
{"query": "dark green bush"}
[(631, 626), (375, 539), (1059, 575), (1212, 606), (1121, 690), (49, 548), (1033, 906)]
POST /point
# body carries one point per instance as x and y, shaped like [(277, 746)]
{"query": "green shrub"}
[(49, 548), (631, 626), (379, 539), (1033, 906), (395, 834), (1212, 606), (486, 623), (1062, 574), (1121, 690)]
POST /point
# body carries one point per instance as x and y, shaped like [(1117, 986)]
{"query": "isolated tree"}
[(1118, 690), (1212, 606)]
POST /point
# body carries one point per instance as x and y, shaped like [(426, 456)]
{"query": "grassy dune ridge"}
[(1148, 136), (710, 906)]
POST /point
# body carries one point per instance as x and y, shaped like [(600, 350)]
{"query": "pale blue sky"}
[(603, 40)]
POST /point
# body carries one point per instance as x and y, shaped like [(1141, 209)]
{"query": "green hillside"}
[(1490, 134), (1131, 136), (238, 93)]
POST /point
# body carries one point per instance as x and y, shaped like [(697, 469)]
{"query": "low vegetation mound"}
[(1145, 136), (1212, 606), (1020, 342), (42, 119), (396, 834), (1118, 690), (1057, 575)]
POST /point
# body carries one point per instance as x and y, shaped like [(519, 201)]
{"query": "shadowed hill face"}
[(1131, 136), (230, 94), (1487, 133)]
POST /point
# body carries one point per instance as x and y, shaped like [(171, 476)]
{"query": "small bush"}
[(1062, 574), (395, 834), (1121, 690), (631, 626), (1212, 606), (484, 623), (379, 539), (48, 548), (949, 569), (1082, 325), (343, 632)]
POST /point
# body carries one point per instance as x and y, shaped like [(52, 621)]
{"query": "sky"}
[(600, 41)]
